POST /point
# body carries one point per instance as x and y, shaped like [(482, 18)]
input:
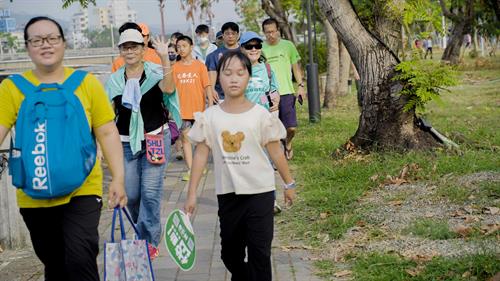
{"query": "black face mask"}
[(172, 57)]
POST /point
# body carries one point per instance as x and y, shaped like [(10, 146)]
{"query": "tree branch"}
[(446, 11)]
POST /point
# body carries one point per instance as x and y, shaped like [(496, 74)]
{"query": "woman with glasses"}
[(143, 94), (262, 88), (149, 52), (63, 229)]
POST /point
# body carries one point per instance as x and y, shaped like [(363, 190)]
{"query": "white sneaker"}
[(277, 208)]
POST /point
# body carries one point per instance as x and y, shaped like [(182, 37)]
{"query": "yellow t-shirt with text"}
[(98, 111)]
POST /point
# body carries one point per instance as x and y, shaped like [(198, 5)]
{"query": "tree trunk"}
[(332, 76), (389, 31), (345, 65), (452, 51), (382, 123), (274, 9), (461, 18)]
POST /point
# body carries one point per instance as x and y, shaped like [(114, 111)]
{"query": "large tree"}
[(382, 123), (461, 14)]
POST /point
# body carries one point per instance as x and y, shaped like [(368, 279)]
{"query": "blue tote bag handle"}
[(118, 211)]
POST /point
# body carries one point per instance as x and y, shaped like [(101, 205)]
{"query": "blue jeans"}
[(144, 187)]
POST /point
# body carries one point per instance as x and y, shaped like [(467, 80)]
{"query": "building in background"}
[(7, 23), (80, 21), (103, 17), (121, 12), (79, 26)]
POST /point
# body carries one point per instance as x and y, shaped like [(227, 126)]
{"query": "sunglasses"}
[(251, 46)]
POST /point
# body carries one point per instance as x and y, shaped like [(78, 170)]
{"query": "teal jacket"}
[(154, 74)]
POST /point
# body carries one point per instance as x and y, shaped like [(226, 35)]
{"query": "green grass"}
[(324, 268), (328, 185), (382, 267), (431, 229), (484, 194)]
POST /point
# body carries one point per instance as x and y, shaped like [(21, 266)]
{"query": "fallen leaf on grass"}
[(323, 215), (393, 180), (395, 203), (471, 219), (458, 214), (404, 172), (423, 257), (374, 177), (349, 146), (462, 230), (414, 271), (360, 223), (491, 210), (490, 228), (466, 274), (342, 273)]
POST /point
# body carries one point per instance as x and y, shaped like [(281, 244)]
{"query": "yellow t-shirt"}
[(98, 110)]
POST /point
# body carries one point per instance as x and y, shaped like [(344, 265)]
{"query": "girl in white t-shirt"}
[(237, 132)]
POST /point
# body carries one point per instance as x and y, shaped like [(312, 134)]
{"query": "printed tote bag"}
[(127, 259)]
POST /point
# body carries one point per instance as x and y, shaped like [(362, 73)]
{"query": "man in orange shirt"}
[(149, 53)]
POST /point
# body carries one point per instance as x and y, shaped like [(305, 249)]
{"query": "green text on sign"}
[(179, 239)]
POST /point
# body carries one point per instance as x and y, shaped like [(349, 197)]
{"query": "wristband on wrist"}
[(291, 185), (301, 85)]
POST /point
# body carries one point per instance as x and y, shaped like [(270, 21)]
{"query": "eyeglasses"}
[(229, 33), (52, 40), (132, 47), (249, 47)]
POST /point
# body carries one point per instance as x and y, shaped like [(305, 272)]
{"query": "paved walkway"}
[(287, 266)]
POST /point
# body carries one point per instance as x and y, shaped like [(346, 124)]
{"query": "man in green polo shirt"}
[(283, 57)]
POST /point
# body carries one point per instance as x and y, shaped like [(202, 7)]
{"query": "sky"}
[(147, 11)]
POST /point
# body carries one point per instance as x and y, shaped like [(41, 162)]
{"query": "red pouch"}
[(155, 148)]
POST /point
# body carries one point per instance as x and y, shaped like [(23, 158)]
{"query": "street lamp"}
[(312, 74)]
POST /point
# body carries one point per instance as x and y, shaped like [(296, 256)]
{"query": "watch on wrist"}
[(291, 185)]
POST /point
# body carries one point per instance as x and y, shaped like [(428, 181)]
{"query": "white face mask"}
[(203, 40)]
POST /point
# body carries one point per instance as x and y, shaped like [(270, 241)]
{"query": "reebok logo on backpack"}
[(54, 150)]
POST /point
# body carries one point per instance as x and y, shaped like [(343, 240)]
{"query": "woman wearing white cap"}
[(143, 95)]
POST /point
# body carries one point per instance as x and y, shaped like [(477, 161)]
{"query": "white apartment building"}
[(121, 13), (80, 21), (103, 17), (116, 13)]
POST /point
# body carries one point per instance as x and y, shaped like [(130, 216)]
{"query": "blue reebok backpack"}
[(54, 150)]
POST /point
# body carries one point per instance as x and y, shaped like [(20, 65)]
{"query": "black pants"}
[(66, 238), (247, 221)]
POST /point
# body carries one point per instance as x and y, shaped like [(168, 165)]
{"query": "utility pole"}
[(163, 34), (312, 74), (112, 36)]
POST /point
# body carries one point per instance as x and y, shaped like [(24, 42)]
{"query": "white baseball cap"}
[(131, 35)]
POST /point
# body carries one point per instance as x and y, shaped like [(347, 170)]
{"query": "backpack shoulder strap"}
[(268, 68), (74, 80), (269, 75), (25, 86)]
